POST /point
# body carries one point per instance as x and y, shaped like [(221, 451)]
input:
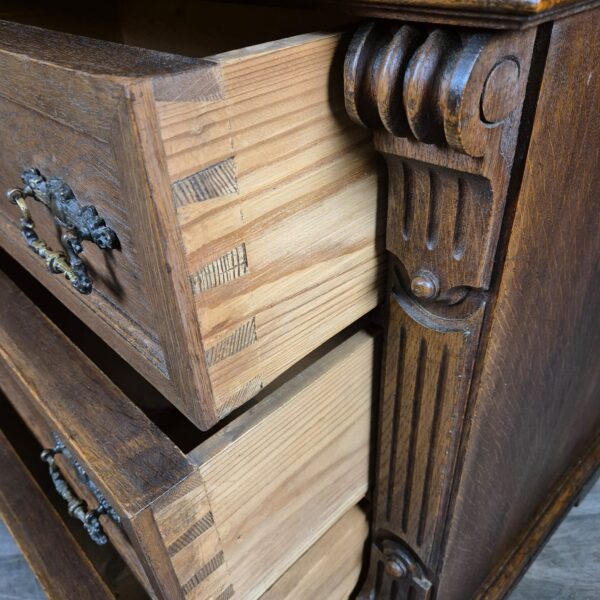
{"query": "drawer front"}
[(244, 202), (63, 123), (73, 483), (58, 562), (235, 513)]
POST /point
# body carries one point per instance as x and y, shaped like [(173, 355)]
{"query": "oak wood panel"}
[(294, 463), (536, 409), (564, 496), (67, 89), (57, 560), (330, 568), (118, 296), (142, 154), (445, 106), (276, 193), (35, 419)]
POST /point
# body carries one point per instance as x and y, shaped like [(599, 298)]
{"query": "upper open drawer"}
[(239, 201)]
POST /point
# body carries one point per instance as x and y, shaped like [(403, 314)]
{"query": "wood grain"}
[(57, 560), (211, 522), (143, 531), (100, 426), (272, 165), (143, 158), (224, 525), (330, 568), (564, 496), (428, 367), (447, 124), (118, 299), (448, 168), (536, 410)]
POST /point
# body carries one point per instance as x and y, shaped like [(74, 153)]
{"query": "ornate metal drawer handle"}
[(77, 508), (76, 222)]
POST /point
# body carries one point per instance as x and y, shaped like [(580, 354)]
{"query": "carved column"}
[(444, 106)]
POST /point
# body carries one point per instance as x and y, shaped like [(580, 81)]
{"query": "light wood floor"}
[(567, 569)]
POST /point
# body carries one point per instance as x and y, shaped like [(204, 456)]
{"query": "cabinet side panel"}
[(537, 410)]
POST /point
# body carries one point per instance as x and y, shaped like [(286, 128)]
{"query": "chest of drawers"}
[(238, 182)]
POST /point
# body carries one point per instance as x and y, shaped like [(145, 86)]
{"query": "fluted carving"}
[(444, 106), (441, 226)]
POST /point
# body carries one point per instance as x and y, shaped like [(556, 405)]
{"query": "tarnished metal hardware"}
[(76, 222), (77, 507), (400, 564), (398, 573)]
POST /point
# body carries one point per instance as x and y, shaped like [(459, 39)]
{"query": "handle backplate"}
[(75, 221)]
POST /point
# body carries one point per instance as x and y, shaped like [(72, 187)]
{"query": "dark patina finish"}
[(76, 222), (76, 506)]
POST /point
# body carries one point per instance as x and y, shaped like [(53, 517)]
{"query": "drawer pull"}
[(76, 223), (77, 507)]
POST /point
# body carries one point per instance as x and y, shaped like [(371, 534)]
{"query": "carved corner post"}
[(445, 106)]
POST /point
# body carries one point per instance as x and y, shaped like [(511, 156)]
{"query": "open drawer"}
[(68, 567), (226, 206), (228, 518)]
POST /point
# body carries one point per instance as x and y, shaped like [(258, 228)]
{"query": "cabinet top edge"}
[(493, 14)]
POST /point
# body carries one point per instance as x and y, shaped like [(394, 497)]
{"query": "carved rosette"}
[(444, 106)]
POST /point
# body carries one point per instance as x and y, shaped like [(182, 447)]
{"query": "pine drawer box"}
[(228, 518), (235, 222)]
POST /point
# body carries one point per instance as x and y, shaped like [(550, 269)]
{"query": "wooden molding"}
[(489, 14), (444, 106)]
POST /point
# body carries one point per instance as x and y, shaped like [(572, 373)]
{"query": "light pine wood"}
[(235, 513), (275, 479), (276, 199), (330, 569), (244, 198)]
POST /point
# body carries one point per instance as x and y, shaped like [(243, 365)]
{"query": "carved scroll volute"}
[(445, 107)]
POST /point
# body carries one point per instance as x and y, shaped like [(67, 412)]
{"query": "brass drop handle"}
[(76, 222), (77, 507)]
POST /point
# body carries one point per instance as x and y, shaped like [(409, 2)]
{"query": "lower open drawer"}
[(68, 567), (225, 519)]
